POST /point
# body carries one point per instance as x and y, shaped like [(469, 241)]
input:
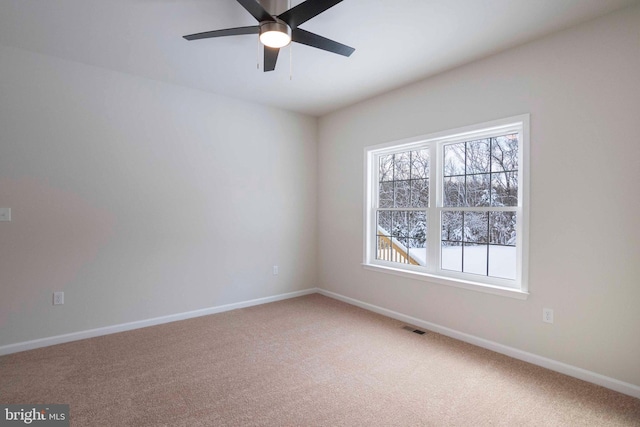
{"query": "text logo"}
[(36, 415)]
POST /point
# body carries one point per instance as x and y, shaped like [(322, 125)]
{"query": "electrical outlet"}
[(547, 315), (58, 298), (275, 270), (5, 214)]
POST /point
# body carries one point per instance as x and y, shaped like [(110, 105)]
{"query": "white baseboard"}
[(74, 336), (563, 368)]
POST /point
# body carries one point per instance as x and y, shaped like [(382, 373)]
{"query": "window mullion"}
[(373, 183), (433, 213)]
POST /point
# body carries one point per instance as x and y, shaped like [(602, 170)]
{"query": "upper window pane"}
[(386, 168), (420, 164), (454, 159), (403, 179), (478, 190), (454, 191), (504, 153), (385, 195), (403, 194), (481, 172), (478, 159), (401, 165), (504, 187), (419, 193)]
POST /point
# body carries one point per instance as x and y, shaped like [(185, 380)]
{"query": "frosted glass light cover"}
[(275, 39)]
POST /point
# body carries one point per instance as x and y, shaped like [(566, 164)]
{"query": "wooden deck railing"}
[(390, 250)]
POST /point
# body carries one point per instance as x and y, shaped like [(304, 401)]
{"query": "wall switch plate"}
[(547, 315), (5, 214), (275, 270), (58, 298)]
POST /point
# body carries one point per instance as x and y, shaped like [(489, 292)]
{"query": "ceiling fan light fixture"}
[(278, 27), (275, 34)]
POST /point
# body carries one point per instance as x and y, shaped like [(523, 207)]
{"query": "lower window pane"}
[(418, 237), (451, 256), (479, 242), (502, 228), (402, 237), (392, 248), (502, 261), (476, 226), (384, 223), (400, 227), (418, 226), (417, 252), (452, 226), (399, 246), (384, 248), (474, 259)]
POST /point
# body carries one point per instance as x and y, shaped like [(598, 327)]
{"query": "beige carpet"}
[(302, 362)]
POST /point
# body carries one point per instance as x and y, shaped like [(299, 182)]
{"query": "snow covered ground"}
[(502, 259)]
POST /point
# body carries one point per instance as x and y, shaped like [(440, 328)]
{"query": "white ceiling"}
[(396, 42)]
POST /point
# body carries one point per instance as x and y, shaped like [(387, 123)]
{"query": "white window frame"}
[(517, 288)]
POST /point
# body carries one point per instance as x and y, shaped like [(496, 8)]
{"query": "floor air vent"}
[(415, 331)]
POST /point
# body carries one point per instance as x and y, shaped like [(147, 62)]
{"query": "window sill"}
[(473, 286)]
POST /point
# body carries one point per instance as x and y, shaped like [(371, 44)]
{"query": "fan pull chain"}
[(258, 55)]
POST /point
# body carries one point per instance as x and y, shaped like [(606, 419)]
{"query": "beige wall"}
[(139, 199), (582, 89)]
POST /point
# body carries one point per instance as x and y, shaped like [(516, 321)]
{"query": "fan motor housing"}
[(277, 25), (277, 28)]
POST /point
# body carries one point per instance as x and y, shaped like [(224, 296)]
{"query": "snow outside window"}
[(452, 207)]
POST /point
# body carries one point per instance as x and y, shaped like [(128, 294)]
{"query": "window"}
[(452, 207)]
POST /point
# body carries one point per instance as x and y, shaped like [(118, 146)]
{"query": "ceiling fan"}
[(278, 27)]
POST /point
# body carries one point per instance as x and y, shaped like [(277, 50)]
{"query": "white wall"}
[(582, 89), (139, 199)]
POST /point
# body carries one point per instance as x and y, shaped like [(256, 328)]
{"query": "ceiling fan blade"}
[(227, 32), (310, 39), (270, 58), (305, 11), (256, 10)]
